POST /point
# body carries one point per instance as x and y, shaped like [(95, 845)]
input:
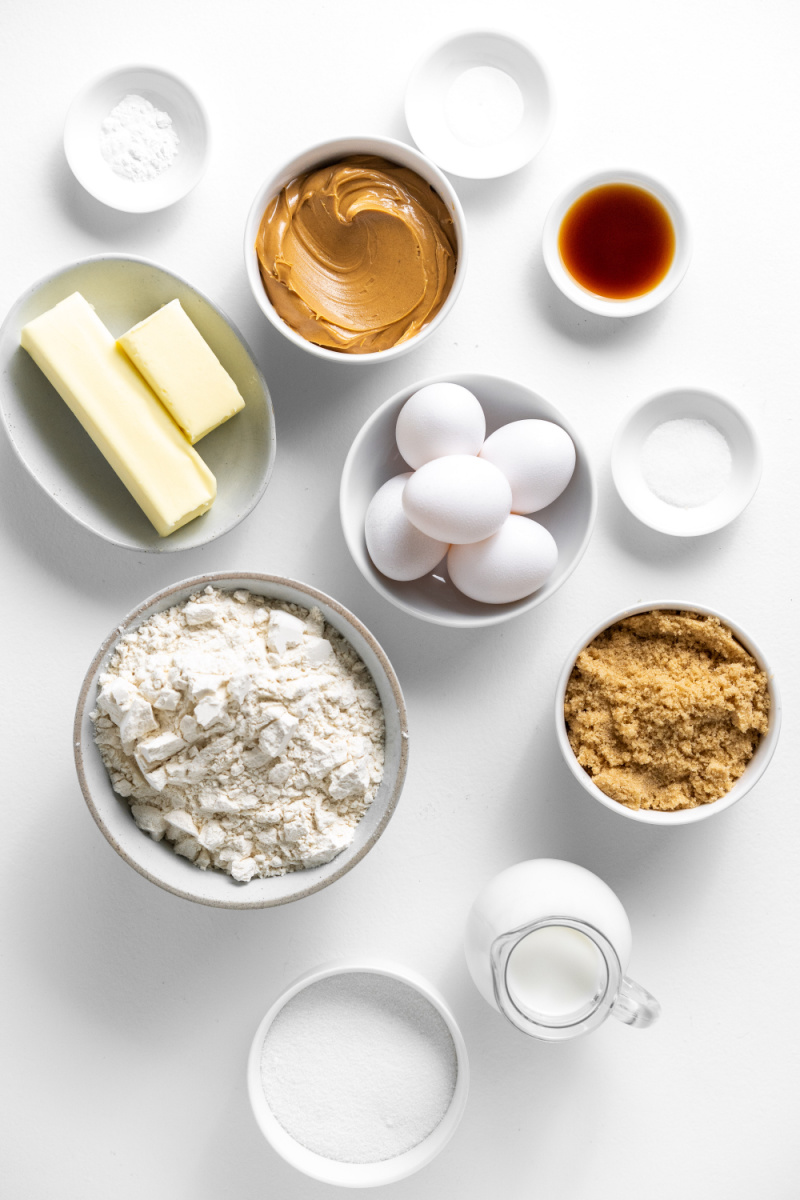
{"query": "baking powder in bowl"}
[(359, 1067), (137, 140)]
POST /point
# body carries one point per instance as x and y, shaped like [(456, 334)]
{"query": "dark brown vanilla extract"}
[(617, 240)]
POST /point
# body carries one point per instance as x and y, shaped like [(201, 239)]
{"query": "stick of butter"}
[(183, 370), (165, 475)]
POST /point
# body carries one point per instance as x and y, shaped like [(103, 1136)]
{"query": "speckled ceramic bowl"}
[(684, 816), (157, 861)]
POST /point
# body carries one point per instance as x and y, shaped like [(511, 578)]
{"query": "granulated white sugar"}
[(686, 462), (359, 1067)]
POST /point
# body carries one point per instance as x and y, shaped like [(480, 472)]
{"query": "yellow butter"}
[(133, 430), (183, 370)]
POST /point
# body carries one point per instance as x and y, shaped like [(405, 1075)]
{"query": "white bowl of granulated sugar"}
[(241, 740), (137, 138), (358, 1074)]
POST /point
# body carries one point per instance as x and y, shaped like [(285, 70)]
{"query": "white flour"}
[(137, 140), (244, 730)]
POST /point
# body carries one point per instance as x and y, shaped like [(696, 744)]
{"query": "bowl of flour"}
[(241, 740)]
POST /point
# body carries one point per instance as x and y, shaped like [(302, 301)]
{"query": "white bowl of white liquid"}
[(547, 944)]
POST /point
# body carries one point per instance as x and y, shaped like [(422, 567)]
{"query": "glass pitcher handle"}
[(634, 1005)]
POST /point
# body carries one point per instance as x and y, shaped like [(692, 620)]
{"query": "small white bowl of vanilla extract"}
[(617, 243)]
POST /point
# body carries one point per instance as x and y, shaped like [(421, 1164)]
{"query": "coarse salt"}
[(686, 462), (359, 1067)]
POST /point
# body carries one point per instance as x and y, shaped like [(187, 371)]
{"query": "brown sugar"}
[(665, 709)]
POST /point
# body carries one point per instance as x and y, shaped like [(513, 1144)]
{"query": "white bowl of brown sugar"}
[(667, 712)]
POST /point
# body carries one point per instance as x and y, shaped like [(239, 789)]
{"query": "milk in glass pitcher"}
[(547, 944)]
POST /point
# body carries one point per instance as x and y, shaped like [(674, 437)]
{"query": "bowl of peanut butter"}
[(355, 250)]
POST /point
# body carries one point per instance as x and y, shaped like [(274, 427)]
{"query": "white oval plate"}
[(64, 460)]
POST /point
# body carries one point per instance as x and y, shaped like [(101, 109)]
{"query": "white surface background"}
[(127, 1013)]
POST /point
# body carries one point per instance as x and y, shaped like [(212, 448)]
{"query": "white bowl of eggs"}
[(467, 499)]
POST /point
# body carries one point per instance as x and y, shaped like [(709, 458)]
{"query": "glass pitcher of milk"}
[(547, 944)]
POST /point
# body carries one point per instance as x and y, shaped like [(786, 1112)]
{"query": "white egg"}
[(442, 418), (396, 547), (507, 566), (537, 458), (458, 498)]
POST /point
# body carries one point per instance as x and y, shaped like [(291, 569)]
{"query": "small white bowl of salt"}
[(686, 462), (480, 104), (358, 1074), (137, 138)]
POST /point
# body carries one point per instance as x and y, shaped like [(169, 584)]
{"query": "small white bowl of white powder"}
[(686, 462), (137, 138), (241, 740), (358, 1074)]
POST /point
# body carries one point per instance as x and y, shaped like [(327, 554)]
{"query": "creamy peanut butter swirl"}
[(357, 255)]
